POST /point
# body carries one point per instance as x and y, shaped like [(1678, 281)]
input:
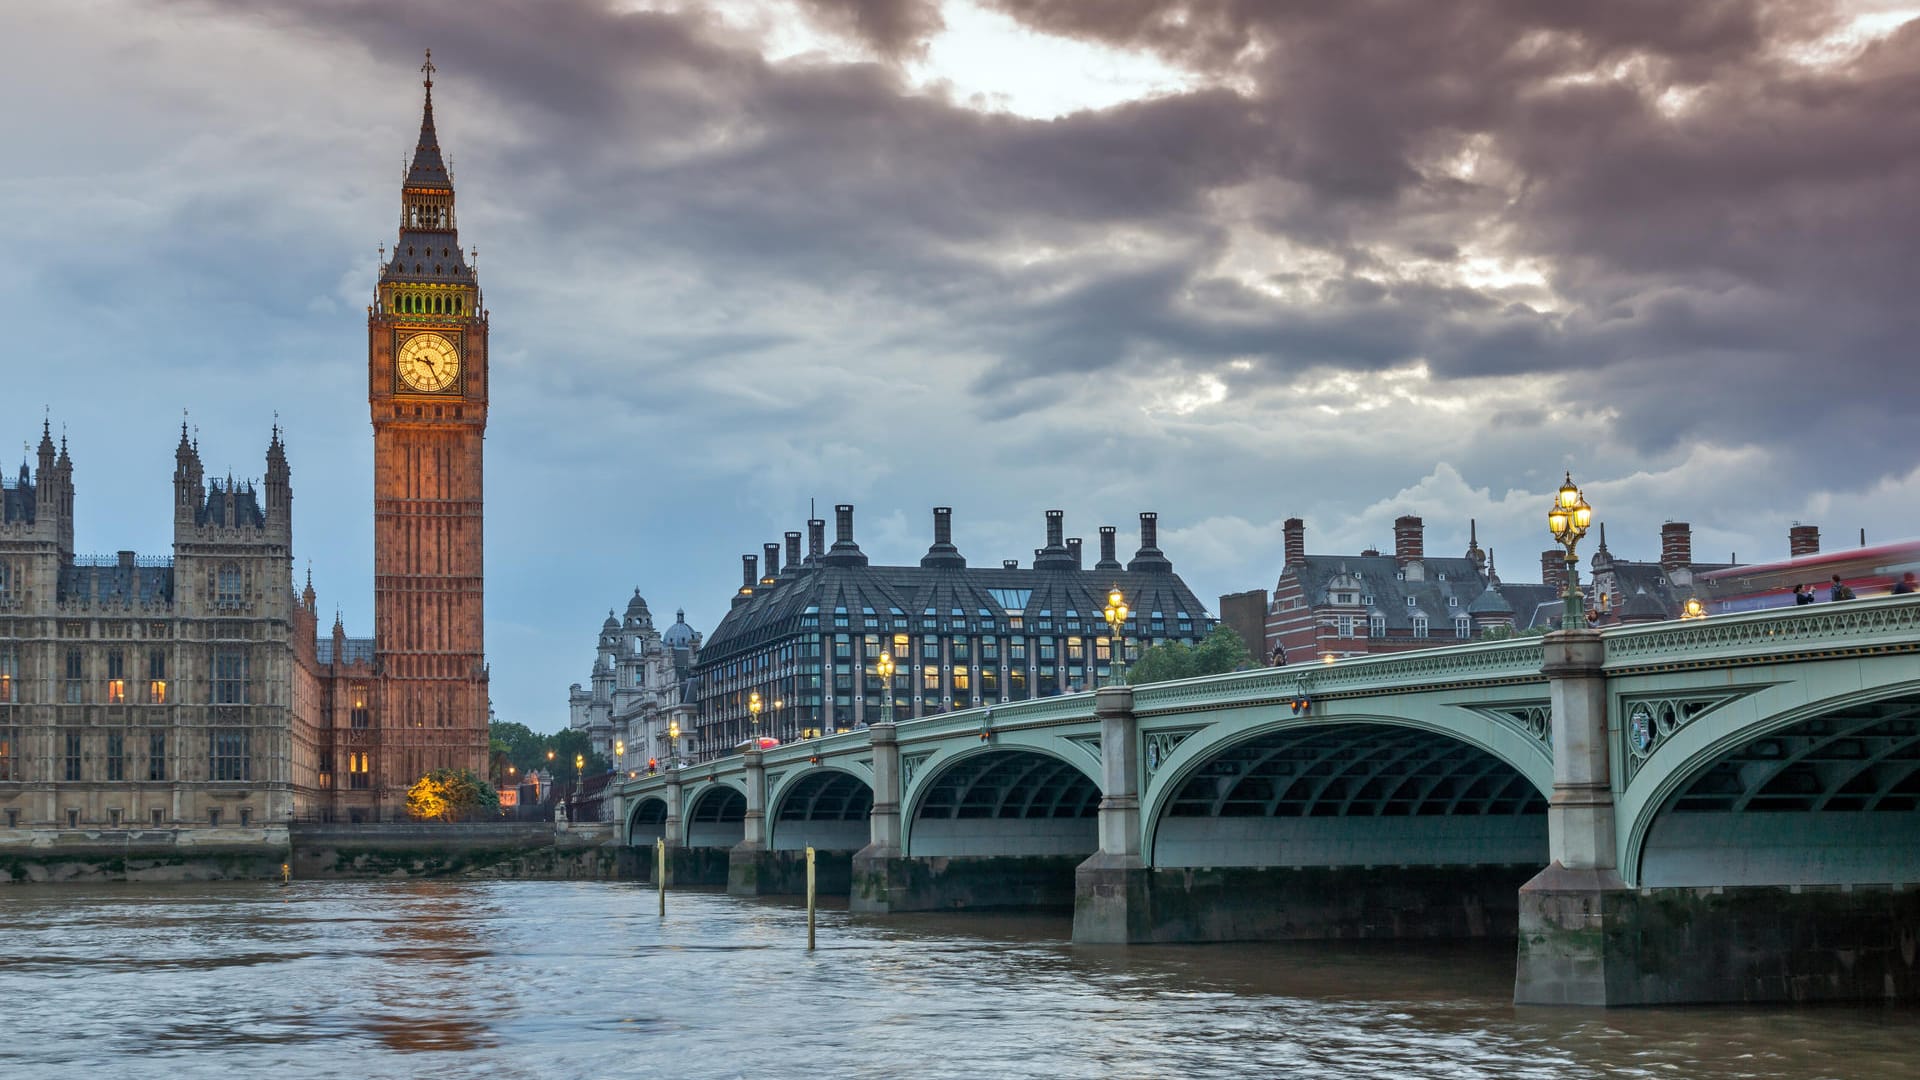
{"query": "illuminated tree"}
[(447, 794)]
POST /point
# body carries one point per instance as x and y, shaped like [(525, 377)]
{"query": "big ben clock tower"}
[(427, 390)]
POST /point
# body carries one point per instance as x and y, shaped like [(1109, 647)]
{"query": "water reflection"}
[(511, 979)]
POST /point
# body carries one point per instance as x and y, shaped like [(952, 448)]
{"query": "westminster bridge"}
[(1711, 810)]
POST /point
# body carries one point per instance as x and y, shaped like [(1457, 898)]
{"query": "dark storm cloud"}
[(1651, 211), (893, 27)]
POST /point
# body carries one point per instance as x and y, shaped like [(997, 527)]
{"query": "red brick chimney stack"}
[(1409, 539), (1803, 540), (1676, 546), (1553, 569), (1295, 530)]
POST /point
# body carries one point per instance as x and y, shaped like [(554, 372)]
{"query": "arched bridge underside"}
[(648, 822), (825, 810), (1352, 794), (1830, 800), (717, 818), (1007, 802)]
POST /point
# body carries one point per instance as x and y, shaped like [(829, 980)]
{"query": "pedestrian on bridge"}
[(1840, 591), (1803, 594), (1905, 585)]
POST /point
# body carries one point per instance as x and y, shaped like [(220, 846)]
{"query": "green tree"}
[(527, 750), (1221, 651)]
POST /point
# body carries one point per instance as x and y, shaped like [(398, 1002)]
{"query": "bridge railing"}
[(1880, 622), (1511, 659)]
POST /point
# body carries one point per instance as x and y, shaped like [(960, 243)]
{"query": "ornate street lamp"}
[(619, 753), (753, 707), (579, 769), (1568, 520), (883, 667), (1116, 616), (1694, 609), (673, 744)]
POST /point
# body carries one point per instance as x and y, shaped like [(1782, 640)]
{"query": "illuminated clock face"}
[(428, 363)]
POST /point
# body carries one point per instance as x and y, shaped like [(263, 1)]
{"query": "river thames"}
[(565, 979)]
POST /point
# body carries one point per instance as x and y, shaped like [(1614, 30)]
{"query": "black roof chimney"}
[(1150, 559), (1055, 555), (816, 539), (943, 553), (793, 555), (844, 551), (1108, 560)]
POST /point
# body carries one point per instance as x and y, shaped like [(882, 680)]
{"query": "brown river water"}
[(565, 979)]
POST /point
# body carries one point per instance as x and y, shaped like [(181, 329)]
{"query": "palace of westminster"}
[(190, 697)]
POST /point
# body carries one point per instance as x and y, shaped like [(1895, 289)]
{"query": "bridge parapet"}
[(1486, 662), (1852, 627)]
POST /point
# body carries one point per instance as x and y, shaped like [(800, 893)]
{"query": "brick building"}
[(413, 697)]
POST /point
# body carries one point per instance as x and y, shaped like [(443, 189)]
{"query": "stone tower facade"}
[(147, 701), (427, 392)]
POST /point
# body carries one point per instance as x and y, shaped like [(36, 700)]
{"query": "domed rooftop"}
[(679, 635), (1490, 602), (637, 608)]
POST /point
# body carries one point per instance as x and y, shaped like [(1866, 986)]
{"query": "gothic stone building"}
[(150, 700), (805, 636), (191, 693), (638, 688)]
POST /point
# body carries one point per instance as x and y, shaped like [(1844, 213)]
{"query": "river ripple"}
[(563, 979)]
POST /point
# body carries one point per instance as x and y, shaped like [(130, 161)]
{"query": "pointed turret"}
[(279, 483), (428, 250), (187, 478), (44, 477), (428, 169)]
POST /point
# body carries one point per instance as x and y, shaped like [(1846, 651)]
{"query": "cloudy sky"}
[(1232, 261)]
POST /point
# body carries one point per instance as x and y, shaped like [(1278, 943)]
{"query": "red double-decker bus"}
[(1868, 571)]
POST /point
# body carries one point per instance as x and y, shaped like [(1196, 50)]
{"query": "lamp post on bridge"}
[(753, 708), (1116, 616), (883, 667), (1568, 520), (673, 745)]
